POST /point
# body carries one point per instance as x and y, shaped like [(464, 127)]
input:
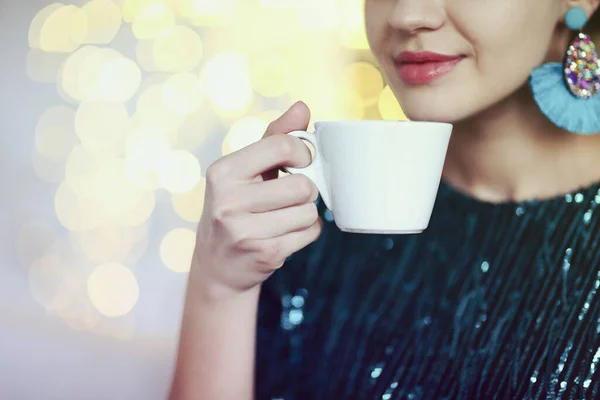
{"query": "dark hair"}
[(593, 26)]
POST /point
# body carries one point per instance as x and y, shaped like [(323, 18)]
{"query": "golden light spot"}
[(119, 80), (190, 205), (101, 125), (64, 30), (145, 56), (246, 32), (131, 8), (243, 133), (89, 80), (153, 21), (113, 289), (227, 81), (183, 93), (146, 148), (47, 170), (179, 172), (177, 249), (71, 210), (55, 133), (33, 240), (348, 105), (389, 108), (35, 28), (207, 12), (80, 169), (365, 80), (197, 129), (280, 4), (353, 31), (114, 195), (109, 243), (319, 15), (270, 75), (318, 91), (103, 21), (44, 67), (151, 110), (72, 69), (140, 213), (180, 50)]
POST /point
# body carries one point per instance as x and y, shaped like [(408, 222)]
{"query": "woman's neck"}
[(510, 152)]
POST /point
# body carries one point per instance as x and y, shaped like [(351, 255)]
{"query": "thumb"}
[(296, 118)]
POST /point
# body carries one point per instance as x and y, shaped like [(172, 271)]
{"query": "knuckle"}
[(271, 129), (235, 231), (312, 213), (238, 236), (284, 147), (316, 230), (269, 253), (303, 188), (222, 212), (216, 172)]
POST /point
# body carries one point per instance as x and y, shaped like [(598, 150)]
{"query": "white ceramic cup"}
[(378, 177)]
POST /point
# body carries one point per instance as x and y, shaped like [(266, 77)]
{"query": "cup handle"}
[(314, 171)]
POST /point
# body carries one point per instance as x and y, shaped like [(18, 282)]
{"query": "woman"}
[(497, 299)]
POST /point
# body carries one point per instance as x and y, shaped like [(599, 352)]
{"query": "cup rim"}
[(381, 122)]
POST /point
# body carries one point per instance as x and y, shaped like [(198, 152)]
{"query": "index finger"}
[(269, 154)]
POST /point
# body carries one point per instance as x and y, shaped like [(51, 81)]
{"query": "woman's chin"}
[(431, 116), (432, 112)]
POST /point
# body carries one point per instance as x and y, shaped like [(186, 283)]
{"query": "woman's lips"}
[(416, 68)]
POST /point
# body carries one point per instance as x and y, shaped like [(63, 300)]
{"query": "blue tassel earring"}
[(569, 94)]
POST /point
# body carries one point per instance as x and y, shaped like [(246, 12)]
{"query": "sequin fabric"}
[(582, 67), (491, 302)]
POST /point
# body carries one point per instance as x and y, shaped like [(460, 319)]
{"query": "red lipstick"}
[(415, 68)]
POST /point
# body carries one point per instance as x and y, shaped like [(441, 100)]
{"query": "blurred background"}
[(111, 112)]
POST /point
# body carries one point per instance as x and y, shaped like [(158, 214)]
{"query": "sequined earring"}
[(568, 93)]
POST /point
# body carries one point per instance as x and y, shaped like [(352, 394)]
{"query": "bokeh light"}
[(103, 21), (189, 205), (353, 30), (63, 29), (154, 91), (179, 171), (207, 12), (319, 15), (270, 75), (183, 93), (243, 133), (101, 125), (366, 80), (113, 289), (227, 81), (177, 248), (152, 111), (153, 21), (389, 107), (179, 50)]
